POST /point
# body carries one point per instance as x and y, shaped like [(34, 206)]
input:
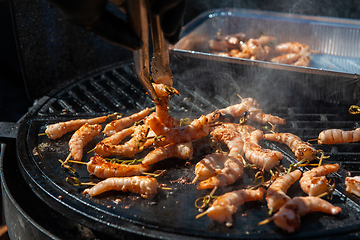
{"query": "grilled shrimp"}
[(288, 58), (104, 169), (243, 129), (209, 166), (225, 43), (180, 150), (303, 61), (276, 193), (290, 47), (122, 123), (314, 182), (57, 130), (288, 216), (250, 106), (296, 54), (162, 112), (233, 136), (256, 47), (226, 205), (146, 186), (81, 137), (227, 133), (265, 158), (236, 111), (197, 129), (300, 148), (114, 139), (258, 115), (236, 53), (353, 185), (136, 144), (218, 169), (335, 136)]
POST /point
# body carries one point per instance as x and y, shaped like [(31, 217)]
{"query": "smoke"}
[(273, 85)]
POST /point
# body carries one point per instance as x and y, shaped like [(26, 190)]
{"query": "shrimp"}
[(265, 158), (136, 144), (227, 133), (250, 106), (258, 115), (353, 185), (197, 129), (335, 136), (81, 137), (101, 168), (288, 216), (114, 139), (57, 130), (303, 61), (122, 123), (296, 54), (256, 48), (180, 150), (276, 193), (236, 53), (236, 111), (226, 205), (290, 47), (162, 113), (218, 169), (300, 148), (225, 43), (314, 182), (206, 167), (233, 136), (146, 186), (243, 129), (288, 58)]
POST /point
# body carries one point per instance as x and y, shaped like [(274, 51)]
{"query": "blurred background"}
[(14, 102)]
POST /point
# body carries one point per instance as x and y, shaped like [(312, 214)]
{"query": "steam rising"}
[(215, 82)]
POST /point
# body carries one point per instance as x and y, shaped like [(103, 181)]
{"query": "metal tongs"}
[(139, 15)]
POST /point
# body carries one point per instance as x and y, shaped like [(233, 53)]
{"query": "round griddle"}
[(170, 214)]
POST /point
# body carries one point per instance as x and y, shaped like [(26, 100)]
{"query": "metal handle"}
[(160, 61), (137, 11)]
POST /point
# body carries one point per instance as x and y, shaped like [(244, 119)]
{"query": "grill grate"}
[(108, 91), (115, 89)]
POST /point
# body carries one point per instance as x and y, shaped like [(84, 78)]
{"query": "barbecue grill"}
[(49, 207)]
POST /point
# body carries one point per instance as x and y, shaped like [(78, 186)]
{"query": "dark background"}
[(14, 102)]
